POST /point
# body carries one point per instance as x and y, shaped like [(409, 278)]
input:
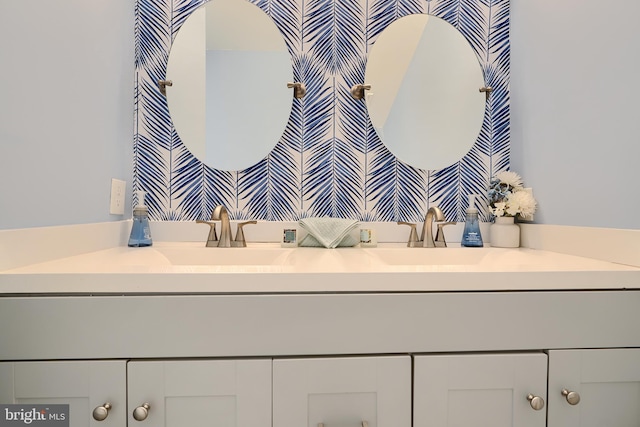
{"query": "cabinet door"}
[(84, 386), (198, 393), (342, 392), (606, 381), (480, 390)]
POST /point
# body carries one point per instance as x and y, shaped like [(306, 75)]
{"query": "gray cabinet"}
[(594, 388), (199, 393), (499, 390), (578, 388), (280, 360), (94, 390), (342, 392)]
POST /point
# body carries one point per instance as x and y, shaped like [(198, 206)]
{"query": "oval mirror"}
[(229, 67), (424, 101)]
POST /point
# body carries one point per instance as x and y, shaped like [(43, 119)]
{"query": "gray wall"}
[(66, 109), (575, 109)]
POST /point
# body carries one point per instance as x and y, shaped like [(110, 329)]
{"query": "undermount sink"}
[(268, 255), (460, 256), (346, 259), (195, 257), (341, 259), (320, 258), (431, 256), (192, 267), (201, 255)]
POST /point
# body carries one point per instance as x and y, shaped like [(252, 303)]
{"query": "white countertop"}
[(189, 267)]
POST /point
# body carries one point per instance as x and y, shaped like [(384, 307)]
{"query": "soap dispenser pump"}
[(140, 231), (471, 236)]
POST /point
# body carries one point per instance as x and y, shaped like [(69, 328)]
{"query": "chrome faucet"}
[(413, 236), (427, 227), (434, 215), (220, 214), (239, 241), (212, 239)]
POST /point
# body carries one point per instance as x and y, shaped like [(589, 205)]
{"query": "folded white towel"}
[(328, 232)]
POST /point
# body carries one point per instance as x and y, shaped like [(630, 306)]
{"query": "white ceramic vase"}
[(505, 233)]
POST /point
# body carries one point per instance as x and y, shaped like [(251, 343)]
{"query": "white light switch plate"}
[(117, 196)]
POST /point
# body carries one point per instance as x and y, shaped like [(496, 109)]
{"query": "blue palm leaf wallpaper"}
[(329, 160)]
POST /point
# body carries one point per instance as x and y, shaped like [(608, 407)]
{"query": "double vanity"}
[(180, 334)]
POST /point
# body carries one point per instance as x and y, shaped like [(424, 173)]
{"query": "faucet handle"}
[(239, 240), (212, 239), (439, 240), (413, 235)]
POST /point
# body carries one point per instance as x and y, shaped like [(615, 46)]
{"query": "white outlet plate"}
[(117, 196)]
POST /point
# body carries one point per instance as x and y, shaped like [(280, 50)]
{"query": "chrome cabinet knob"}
[(573, 398), (100, 413), (141, 412), (536, 402)]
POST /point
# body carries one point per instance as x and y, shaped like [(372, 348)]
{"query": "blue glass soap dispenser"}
[(140, 231), (471, 236)]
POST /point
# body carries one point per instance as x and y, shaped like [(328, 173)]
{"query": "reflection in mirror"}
[(424, 100), (229, 101)]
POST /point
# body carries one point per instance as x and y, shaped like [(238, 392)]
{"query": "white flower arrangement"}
[(508, 197)]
